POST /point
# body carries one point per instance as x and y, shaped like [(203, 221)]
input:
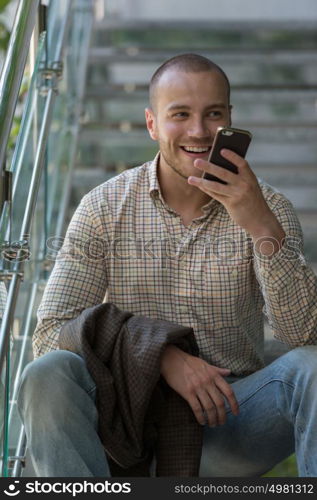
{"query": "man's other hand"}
[(202, 385)]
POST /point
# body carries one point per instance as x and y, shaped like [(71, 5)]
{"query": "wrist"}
[(169, 356)]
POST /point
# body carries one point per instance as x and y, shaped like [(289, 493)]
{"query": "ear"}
[(151, 123)]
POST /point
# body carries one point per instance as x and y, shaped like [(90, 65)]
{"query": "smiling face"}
[(188, 109)]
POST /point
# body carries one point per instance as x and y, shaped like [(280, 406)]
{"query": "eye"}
[(214, 114), (180, 114)]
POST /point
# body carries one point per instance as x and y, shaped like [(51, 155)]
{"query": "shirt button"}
[(234, 273)]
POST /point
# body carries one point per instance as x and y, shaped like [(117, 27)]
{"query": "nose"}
[(198, 128)]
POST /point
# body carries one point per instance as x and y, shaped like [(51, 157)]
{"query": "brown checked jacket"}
[(140, 416)]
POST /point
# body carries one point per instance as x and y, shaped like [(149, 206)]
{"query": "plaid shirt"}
[(127, 246)]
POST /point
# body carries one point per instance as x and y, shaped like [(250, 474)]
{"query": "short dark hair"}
[(187, 63)]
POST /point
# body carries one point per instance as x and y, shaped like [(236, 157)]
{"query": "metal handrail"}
[(20, 456), (25, 230), (50, 74), (10, 84), (13, 69), (29, 210), (23, 352), (37, 170), (18, 267)]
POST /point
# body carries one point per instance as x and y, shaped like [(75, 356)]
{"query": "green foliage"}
[(3, 4), (4, 33), (4, 40), (287, 468), (4, 37)]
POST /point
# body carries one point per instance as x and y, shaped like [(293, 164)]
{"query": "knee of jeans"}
[(45, 371)]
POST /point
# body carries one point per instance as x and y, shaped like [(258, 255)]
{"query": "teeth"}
[(191, 149)]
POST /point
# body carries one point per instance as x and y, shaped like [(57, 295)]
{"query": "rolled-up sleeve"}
[(288, 284), (79, 277)]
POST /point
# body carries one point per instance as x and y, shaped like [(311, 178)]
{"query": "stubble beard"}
[(168, 162)]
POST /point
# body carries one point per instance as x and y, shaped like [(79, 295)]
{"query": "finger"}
[(234, 158), (210, 411), (223, 371), (228, 392), (220, 172), (198, 410), (218, 401), (210, 187)]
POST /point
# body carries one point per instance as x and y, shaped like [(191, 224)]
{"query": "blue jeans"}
[(278, 415)]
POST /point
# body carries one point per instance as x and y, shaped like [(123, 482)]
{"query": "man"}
[(163, 242)]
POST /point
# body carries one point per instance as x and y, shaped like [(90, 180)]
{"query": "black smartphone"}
[(236, 140)]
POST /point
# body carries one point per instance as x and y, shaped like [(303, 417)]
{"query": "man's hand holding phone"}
[(234, 139), (241, 196)]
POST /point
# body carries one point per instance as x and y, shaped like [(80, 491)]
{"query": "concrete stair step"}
[(142, 54), (280, 108), (248, 91), (274, 133), (287, 70), (282, 175), (103, 146), (201, 30)]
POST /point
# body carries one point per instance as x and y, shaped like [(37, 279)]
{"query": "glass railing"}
[(41, 179)]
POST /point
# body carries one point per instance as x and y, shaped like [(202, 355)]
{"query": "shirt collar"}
[(153, 180)]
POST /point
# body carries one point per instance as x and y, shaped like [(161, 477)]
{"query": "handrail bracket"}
[(49, 77)]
